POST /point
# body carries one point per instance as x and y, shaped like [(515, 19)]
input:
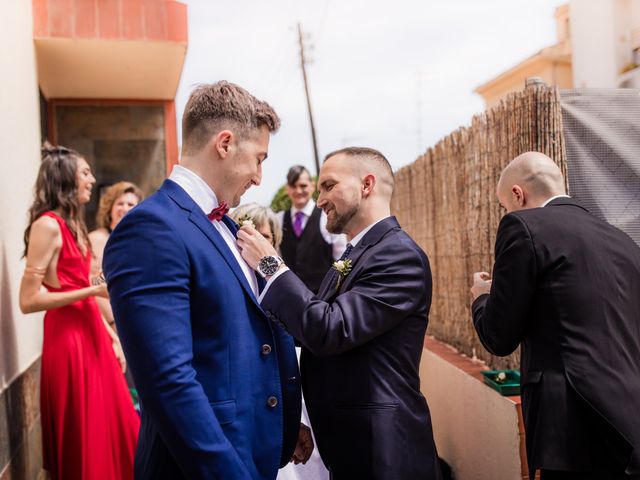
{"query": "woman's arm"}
[(98, 239), (45, 241), (117, 346), (106, 312)]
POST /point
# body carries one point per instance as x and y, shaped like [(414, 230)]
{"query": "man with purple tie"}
[(218, 382), (307, 247), (362, 333)]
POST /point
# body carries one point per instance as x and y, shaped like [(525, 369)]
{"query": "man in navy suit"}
[(218, 382), (566, 287), (362, 334)]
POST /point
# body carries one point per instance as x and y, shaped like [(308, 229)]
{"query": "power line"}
[(419, 110)]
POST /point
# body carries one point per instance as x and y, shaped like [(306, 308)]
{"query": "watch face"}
[(268, 265)]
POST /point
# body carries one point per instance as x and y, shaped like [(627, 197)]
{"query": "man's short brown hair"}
[(216, 106), (366, 154)]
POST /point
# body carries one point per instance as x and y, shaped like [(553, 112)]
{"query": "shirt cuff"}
[(270, 281)]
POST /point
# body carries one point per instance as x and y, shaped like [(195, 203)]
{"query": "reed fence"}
[(446, 201)]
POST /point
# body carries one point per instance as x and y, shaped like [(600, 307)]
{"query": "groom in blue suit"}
[(218, 382)]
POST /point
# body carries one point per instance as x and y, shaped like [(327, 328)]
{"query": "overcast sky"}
[(392, 75)]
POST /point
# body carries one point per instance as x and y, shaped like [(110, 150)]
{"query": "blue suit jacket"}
[(206, 361)]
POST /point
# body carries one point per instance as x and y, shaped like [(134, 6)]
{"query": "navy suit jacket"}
[(566, 286), (218, 382), (362, 345)]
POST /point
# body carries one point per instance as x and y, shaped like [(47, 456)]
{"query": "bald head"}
[(528, 181)]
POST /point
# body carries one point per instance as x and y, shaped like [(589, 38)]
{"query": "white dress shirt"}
[(552, 199), (338, 242), (206, 199), (355, 240)]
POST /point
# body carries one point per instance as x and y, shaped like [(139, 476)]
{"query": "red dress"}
[(89, 425)]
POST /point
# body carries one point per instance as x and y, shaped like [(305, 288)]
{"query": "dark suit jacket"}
[(204, 357), (566, 286), (361, 354)]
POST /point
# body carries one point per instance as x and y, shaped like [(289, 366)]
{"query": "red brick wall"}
[(160, 20)]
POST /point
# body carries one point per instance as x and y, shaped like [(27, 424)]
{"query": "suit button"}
[(266, 349), (272, 402)]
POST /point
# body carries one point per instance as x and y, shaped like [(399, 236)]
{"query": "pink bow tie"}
[(218, 212)]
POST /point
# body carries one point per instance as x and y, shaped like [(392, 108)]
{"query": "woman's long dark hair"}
[(56, 187)]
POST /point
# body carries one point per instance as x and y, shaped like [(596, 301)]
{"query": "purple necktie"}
[(297, 223)]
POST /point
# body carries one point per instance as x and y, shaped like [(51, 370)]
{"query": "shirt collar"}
[(354, 241), (196, 188), (307, 209), (553, 198)]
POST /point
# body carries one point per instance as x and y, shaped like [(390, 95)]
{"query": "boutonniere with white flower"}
[(343, 267), (246, 221)]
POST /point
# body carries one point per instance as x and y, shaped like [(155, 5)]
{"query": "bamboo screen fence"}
[(446, 201)]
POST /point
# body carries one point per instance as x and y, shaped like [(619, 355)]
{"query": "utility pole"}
[(419, 111), (306, 91)]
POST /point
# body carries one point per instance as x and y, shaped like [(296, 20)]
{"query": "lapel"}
[(234, 227), (231, 225), (371, 238), (328, 282), (200, 220)]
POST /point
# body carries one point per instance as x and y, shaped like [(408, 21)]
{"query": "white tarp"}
[(602, 133)]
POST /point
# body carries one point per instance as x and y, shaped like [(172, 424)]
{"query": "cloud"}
[(384, 74)]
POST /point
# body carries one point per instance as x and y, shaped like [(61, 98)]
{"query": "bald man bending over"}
[(566, 287), (362, 334)]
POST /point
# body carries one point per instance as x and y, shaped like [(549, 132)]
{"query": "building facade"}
[(598, 46)]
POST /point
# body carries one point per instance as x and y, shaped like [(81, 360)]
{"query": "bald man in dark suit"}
[(566, 287)]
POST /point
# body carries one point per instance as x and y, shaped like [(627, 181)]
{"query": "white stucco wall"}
[(475, 428), (20, 335), (635, 23), (601, 40)]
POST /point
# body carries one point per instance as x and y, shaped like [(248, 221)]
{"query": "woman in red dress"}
[(89, 425)]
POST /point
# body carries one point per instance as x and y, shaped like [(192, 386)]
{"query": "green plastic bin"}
[(510, 386)]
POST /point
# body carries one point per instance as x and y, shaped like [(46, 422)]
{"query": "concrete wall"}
[(20, 335), (635, 25), (477, 431)]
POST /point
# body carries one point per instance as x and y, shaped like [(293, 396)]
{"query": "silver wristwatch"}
[(269, 265)]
